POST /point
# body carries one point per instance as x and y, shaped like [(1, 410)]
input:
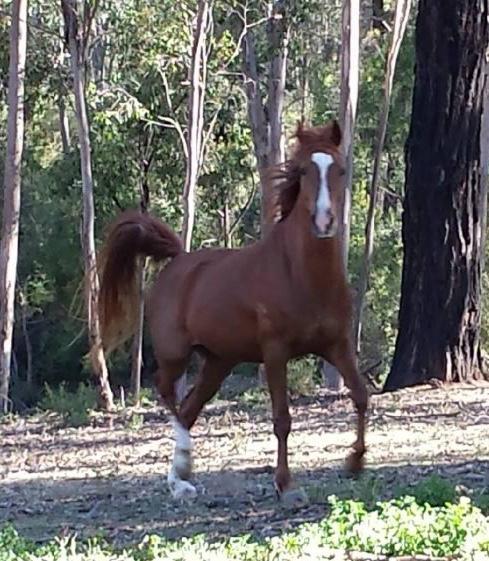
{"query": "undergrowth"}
[(397, 527), (74, 407)]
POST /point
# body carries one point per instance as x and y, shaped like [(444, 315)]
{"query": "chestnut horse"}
[(282, 297)]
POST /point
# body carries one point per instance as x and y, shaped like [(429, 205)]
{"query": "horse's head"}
[(321, 176), (313, 178)]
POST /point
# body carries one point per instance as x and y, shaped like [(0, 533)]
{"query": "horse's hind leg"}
[(166, 379), (208, 381), (343, 357)]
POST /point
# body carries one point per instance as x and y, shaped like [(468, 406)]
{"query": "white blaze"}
[(323, 202)]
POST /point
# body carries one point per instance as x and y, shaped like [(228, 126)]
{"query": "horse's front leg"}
[(276, 371), (342, 356)]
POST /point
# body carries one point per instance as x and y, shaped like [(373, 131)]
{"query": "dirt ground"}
[(110, 477)]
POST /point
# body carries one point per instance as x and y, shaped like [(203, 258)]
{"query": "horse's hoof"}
[(354, 463), (294, 498), (182, 490)]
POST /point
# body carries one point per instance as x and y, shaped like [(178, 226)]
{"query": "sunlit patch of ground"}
[(111, 478)]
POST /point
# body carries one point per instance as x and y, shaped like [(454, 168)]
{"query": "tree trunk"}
[(226, 224), (266, 121), (24, 308), (137, 344), (278, 33), (257, 117), (198, 76), (72, 10), (401, 18), (64, 125), (11, 198), (198, 72), (440, 309), (350, 41)]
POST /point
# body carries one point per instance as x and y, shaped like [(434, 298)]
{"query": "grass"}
[(393, 528), (74, 407)]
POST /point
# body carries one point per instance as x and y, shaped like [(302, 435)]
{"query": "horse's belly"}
[(232, 336)]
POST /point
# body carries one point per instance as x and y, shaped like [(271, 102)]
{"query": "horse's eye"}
[(342, 171)]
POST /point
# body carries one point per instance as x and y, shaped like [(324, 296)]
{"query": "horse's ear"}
[(336, 134)]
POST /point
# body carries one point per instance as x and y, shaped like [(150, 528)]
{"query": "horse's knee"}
[(281, 425)]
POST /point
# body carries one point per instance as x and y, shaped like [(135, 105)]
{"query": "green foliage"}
[(255, 397), (135, 422), (403, 527), (301, 375), (399, 527), (137, 94), (74, 407), (434, 491)]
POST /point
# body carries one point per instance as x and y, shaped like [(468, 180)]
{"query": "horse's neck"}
[(317, 262)]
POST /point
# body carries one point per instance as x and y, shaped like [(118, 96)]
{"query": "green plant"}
[(74, 407), (300, 375), (434, 490), (136, 421), (255, 397), (399, 527), (146, 398)]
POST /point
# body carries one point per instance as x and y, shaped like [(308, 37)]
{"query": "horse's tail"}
[(131, 236)]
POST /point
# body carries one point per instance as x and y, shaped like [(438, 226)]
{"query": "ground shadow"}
[(230, 503)]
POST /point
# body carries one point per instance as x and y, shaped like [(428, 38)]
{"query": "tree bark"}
[(72, 12), (278, 33), (266, 117), (137, 344), (24, 308), (440, 309), (64, 125), (350, 54), (401, 18), (198, 74), (12, 190), (257, 117)]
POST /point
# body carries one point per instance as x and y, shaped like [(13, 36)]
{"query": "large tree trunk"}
[(11, 197), (401, 18), (440, 310), (72, 10), (350, 55), (198, 73)]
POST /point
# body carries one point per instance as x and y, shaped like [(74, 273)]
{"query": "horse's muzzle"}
[(325, 226)]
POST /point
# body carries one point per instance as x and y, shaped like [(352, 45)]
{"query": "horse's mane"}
[(282, 181)]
